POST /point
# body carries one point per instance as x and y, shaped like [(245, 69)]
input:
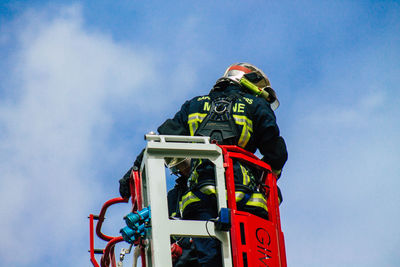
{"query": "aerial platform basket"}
[(251, 240)]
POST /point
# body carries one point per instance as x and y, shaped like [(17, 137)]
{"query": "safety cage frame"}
[(251, 241)]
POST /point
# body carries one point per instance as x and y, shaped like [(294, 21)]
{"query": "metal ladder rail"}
[(155, 194)]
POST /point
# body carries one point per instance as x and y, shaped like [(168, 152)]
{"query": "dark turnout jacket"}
[(254, 118), (256, 128)]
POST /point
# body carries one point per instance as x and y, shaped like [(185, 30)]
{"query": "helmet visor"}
[(273, 100)]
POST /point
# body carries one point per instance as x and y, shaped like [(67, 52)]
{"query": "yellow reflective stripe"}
[(246, 177), (239, 196), (188, 199), (208, 189), (193, 120), (193, 179), (257, 200), (247, 129)]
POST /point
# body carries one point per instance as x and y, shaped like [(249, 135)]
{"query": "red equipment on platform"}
[(255, 241)]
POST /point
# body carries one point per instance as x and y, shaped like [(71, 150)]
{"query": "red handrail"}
[(102, 214), (100, 221), (108, 252)]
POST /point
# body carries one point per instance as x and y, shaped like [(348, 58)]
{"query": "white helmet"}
[(254, 75)]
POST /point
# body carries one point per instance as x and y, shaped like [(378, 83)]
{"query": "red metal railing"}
[(108, 253), (255, 241)]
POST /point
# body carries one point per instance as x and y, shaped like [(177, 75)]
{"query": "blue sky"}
[(81, 82)]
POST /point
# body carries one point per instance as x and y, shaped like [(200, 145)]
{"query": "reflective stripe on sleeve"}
[(239, 195), (208, 189), (193, 120), (247, 129), (257, 200), (187, 199), (245, 174)]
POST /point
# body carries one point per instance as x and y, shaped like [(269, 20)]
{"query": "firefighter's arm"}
[(175, 126), (271, 145), (275, 154), (124, 189), (178, 124)]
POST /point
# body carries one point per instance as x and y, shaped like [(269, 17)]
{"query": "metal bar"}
[(257, 163), (100, 218), (240, 150), (138, 189), (132, 189), (156, 194), (108, 251), (231, 196), (177, 138), (102, 214), (91, 233)]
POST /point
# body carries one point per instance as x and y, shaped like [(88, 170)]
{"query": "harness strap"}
[(219, 123)]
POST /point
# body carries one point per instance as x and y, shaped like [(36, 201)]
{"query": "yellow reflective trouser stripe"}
[(188, 199), (257, 200), (247, 129), (193, 120)]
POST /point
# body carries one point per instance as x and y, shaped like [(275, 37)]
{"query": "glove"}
[(277, 173), (189, 254), (124, 188)]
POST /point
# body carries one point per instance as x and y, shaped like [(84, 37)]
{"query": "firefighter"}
[(239, 110)]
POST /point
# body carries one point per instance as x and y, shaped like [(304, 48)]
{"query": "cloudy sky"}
[(81, 82)]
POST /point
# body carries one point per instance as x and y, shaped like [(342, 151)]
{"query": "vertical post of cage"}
[(155, 195)]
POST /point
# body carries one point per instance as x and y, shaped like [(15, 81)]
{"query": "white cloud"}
[(69, 81), (342, 168), (356, 114)]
